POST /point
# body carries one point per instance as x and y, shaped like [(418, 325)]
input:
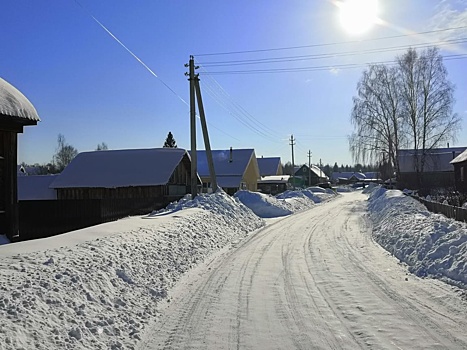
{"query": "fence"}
[(45, 218), (457, 213)]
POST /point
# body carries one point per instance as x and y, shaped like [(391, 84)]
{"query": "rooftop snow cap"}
[(14, 104)]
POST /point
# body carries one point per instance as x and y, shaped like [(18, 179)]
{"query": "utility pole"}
[(309, 167), (196, 90), (204, 126), (194, 158), (292, 143)]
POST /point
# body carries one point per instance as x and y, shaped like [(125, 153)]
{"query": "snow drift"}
[(431, 244)]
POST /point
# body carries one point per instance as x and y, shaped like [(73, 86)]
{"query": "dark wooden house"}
[(15, 112), (161, 174), (460, 172)]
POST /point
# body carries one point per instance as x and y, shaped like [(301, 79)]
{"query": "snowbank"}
[(100, 294), (431, 244), (263, 205), (316, 194)]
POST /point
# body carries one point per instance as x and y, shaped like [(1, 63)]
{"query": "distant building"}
[(305, 176), (15, 112), (460, 172), (438, 171), (236, 169), (274, 184), (269, 166)]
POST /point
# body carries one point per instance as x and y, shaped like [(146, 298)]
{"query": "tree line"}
[(406, 105), (330, 169)]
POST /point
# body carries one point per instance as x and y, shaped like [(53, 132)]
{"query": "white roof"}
[(120, 168), (13, 103), (274, 179), (460, 158)]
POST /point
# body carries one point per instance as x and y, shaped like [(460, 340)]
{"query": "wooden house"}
[(236, 169), (460, 172), (309, 176), (438, 171), (156, 173), (15, 112)]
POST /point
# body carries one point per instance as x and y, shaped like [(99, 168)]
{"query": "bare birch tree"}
[(376, 117), (410, 104), (427, 101)]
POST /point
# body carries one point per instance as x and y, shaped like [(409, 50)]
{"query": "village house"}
[(156, 173), (236, 169), (15, 112), (309, 176), (460, 172), (438, 172), (269, 166)]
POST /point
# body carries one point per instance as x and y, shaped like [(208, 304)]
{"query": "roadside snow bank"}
[(263, 205), (316, 194), (100, 294), (431, 244)]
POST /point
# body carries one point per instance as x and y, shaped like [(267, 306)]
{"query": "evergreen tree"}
[(335, 169), (170, 141)]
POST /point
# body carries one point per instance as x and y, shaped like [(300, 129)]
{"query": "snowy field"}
[(98, 288)]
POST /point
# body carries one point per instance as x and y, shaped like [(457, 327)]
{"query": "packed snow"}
[(98, 288), (430, 244)]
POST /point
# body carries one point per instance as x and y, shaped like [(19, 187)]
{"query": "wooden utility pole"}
[(194, 158), (292, 143), (207, 144), (309, 167)]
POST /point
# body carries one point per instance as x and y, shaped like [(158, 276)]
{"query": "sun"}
[(358, 16)]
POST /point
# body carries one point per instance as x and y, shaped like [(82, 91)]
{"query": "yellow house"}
[(236, 169)]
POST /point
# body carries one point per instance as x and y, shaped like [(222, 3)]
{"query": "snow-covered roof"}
[(438, 159), (318, 172), (460, 158), (274, 179), (120, 168), (14, 104), (347, 175), (224, 164), (36, 187), (268, 166)]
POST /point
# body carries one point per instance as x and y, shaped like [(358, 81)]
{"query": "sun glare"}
[(358, 16)]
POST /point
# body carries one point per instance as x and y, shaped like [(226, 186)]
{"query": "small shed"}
[(274, 184), (128, 173), (236, 169), (460, 172), (15, 112)]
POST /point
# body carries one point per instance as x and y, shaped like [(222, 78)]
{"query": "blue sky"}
[(87, 87)]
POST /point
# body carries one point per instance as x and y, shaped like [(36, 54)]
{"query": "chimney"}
[(230, 159), (448, 144)]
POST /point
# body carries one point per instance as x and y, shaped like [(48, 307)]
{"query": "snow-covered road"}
[(314, 280)]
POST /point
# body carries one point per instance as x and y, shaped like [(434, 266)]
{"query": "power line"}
[(329, 55), (320, 68), (329, 44)]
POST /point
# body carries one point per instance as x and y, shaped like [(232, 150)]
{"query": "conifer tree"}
[(170, 141)]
